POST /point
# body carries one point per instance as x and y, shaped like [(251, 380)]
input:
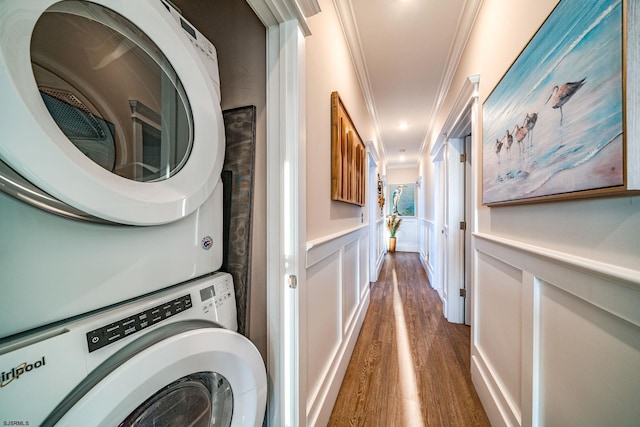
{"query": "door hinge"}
[(463, 225), (293, 281), (463, 157), (463, 293)]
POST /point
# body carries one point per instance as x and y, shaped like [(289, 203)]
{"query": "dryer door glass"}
[(111, 91), (199, 400)]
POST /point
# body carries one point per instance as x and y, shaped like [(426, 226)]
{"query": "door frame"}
[(462, 117), (286, 29), (373, 160), (286, 224)]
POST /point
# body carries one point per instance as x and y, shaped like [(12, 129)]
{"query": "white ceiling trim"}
[(275, 12), (463, 32), (373, 151), (459, 117), (309, 7), (344, 10)]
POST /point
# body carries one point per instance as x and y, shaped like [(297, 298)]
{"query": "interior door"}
[(373, 219), (455, 231), (468, 206)]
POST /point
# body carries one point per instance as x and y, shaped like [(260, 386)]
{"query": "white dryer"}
[(111, 150), (160, 360)]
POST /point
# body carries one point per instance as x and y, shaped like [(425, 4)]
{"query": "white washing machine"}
[(111, 150), (160, 360)]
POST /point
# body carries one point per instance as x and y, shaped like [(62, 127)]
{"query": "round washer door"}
[(108, 107), (202, 377)]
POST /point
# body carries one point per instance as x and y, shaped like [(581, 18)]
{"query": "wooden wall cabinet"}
[(347, 157)]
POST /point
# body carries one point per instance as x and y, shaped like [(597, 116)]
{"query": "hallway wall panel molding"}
[(551, 329), (427, 248), (337, 298)]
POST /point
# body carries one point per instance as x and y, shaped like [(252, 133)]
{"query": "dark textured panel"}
[(240, 131)]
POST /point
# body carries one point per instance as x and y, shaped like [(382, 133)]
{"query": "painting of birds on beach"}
[(561, 102)]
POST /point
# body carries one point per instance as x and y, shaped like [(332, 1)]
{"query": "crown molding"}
[(463, 32), (460, 114), (275, 12), (309, 7), (347, 20)]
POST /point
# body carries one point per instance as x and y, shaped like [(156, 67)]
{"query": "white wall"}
[(556, 324), (329, 68), (407, 235)]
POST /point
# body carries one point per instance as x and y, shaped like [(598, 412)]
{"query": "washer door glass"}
[(199, 400), (111, 91)]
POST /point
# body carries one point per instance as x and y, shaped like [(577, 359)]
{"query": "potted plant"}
[(393, 223)]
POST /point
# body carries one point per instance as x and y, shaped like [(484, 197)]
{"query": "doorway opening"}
[(456, 190)]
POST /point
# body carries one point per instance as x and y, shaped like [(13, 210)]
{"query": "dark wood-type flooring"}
[(410, 367)]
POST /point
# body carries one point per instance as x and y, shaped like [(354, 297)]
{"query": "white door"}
[(456, 233), (373, 219), (439, 255), (122, 120), (468, 206)]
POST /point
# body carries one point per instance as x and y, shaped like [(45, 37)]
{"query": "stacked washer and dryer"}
[(112, 311)]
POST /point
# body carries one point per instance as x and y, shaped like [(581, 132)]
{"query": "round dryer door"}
[(202, 376), (110, 108)]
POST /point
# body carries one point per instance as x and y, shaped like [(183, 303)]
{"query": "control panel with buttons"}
[(122, 328)]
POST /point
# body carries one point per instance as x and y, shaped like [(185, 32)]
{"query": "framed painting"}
[(402, 199), (347, 157), (553, 127)]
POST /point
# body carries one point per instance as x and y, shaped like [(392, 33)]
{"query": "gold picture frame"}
[(554, 125)]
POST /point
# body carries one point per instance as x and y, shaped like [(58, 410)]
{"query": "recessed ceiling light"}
[(403, 125)]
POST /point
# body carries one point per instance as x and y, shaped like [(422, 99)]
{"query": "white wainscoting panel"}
[(337, 301), (324, 319), (350, 285), (382, 245), (585, 359), (427, 247), (556, 338), (498, 299), (407, 235), (363, 261)]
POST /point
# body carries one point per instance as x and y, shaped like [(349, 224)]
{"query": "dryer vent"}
[(71, 115)]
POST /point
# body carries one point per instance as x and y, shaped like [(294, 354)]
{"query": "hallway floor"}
[(410, 367)]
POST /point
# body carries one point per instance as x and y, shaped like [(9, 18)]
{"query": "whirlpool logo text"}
[(9, 376)]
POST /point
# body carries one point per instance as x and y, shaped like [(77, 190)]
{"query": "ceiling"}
[(405, 53)]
